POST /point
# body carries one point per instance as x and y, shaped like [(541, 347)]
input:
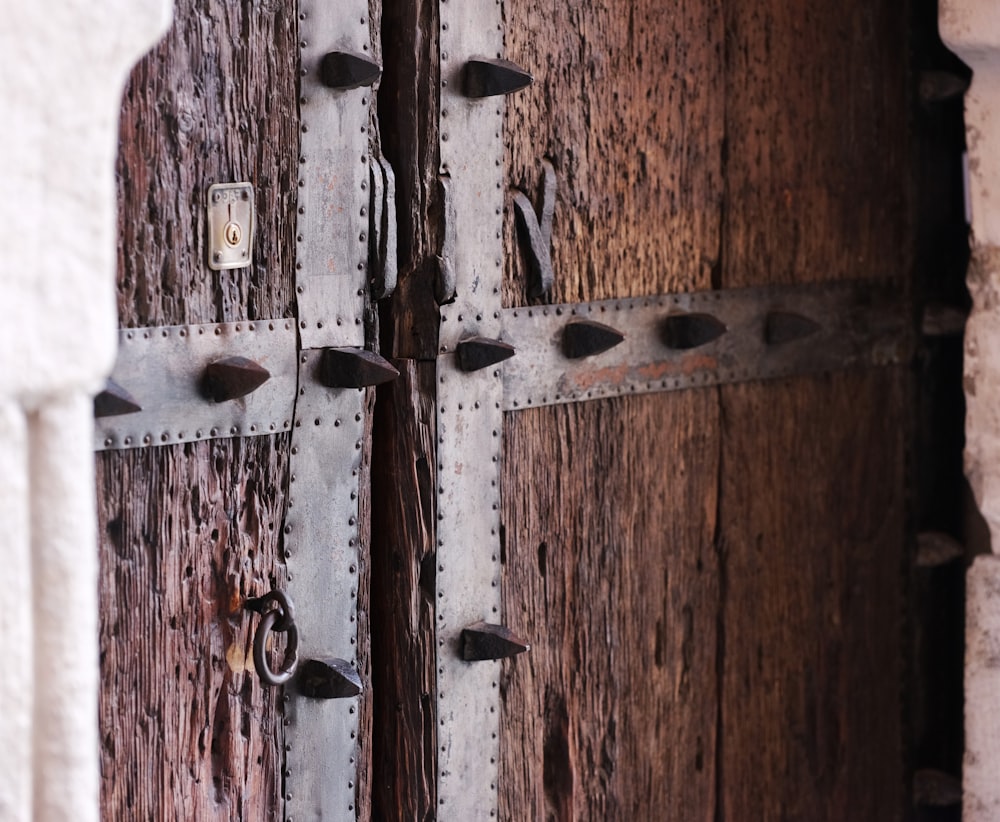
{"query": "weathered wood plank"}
[(403, 570), (214, 102), (812, 513), (628, 106), (186, 534), (610, 572)]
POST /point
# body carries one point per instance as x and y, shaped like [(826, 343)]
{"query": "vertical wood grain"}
[(188, 531)]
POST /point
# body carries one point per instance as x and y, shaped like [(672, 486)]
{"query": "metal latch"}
[(230, 225)]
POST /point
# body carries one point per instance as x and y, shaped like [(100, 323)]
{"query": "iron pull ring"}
[(278, 616)]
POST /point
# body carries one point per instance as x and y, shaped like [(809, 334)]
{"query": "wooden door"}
[(710, 579), (196, 520)]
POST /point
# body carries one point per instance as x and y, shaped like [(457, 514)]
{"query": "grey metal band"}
[(321, 539), (321, 531), (162, 369), (332, 221), (469, 417), (856, 324)]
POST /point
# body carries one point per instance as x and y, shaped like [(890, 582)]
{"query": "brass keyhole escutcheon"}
[(233, 233)]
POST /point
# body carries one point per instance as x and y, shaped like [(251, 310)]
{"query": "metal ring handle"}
[(285, 608), (265, 629)]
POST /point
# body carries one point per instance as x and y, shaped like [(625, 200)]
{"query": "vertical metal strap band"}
[(321, 527), (469, 420), (321, 549), (332, 247)]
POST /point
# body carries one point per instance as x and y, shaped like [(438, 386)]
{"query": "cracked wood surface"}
[(710, 580)]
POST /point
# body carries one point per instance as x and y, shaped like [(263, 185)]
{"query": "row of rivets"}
[(585, 338)]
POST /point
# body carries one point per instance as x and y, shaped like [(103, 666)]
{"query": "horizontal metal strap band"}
[(760, 333), (163, 370)]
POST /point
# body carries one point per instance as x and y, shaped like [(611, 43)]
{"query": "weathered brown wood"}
[(408, 116), (811, 539), (711, 146), (403, 568), (628, 105), (214, 102), (187, 533), (611, 573)]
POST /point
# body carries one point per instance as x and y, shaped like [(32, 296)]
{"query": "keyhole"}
[(233, 233)]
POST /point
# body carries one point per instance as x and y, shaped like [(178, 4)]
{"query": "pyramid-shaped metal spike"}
[(787, 326), (480, 352), (233, 377), (584, 338), (327, 679), (488, 78), (344, 70), (354, 368), (683, 331), (483, 640), (114, 401), (938, 86)]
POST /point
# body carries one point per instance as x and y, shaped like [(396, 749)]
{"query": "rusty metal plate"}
[(759, 333), (322, 544), (231, 223), (332, 221), (164, 369)]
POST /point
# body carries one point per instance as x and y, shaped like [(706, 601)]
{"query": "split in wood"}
[(354, 368), (489, 78), (114, 401), (584, 338), (480, 352), (232, 378), (786, 326), (343, 70), (685, 331), (483, 640), (327, 679)]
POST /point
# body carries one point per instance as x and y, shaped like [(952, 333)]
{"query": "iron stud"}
[(684, 331), (232, 378), (786, 326), (327, 679), (480, 352), (343, 70), (484, 640), (488, 78), (584, 338), (114, 401), (354, 368)]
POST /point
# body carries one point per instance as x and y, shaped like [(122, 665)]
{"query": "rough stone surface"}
[(972, 29), (981, 788)]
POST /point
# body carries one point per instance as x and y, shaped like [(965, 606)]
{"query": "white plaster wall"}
[(972, 29), (65, 63)]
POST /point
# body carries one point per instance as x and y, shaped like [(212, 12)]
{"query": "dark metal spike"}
[(354, 368), (343, 70), (328, 679), (787, 326), (938, 86), (683, 331), (114, 401), (488, 78), (480, 352), (484, 640), (232, 378), (584, 338)]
